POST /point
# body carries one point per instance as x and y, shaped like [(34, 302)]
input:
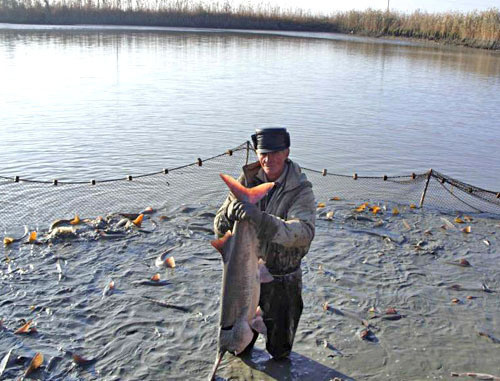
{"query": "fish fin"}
[(258, 311), (138, 220), (220, 243), (265, 275), (220, 354), (258, 325), (242, 193), (242, 336)]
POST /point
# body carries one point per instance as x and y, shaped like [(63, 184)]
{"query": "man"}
[(285, 228)]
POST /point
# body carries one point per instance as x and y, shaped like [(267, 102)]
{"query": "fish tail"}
[(242, 193), (220, 354)]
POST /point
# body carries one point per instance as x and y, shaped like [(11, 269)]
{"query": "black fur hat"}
[(267, 140)]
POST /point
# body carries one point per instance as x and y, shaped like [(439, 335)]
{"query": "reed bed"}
[(476, 29)]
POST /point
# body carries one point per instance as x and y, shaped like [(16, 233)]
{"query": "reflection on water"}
[(98, 103)]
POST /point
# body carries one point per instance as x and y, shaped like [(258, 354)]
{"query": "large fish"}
[(242, 274)]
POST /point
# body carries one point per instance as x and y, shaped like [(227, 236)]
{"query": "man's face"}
[(273, 163)]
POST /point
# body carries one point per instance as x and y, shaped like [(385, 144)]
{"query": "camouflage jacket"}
[(287, 227)]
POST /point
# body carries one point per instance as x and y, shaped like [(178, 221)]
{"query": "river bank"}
[(474, 29)]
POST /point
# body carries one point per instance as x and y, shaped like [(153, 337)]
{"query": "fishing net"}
[(25, 202), (430, 190)]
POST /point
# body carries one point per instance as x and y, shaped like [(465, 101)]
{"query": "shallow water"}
[(356, 262)]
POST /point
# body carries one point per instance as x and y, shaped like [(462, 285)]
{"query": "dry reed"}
[(477, 29)]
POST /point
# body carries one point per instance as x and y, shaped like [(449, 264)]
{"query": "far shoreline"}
[(402, 41), (474, 29)]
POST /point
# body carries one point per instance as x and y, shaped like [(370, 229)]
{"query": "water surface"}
[(360, 264), (106, 102)]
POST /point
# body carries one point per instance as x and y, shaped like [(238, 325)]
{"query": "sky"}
[(407, 6)]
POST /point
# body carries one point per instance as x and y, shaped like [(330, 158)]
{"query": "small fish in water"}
[(163, 259), (59, 270), (170, 261), (391, 314), (486, 288), (361, 207), (9, 240), (108, 289), (132, 222), (32, 237), (367, 334), (406, 224), (62, 232), (391, 311), (167, 304), (24, 329), (457, 287), (58, 223), (111, 234), (124, 223), (462, 263), (488, 336), (4, 362), (35, 363), (81, 361), (154, 281), (447, 223), (148, 210), (479, 376), (466, 230)]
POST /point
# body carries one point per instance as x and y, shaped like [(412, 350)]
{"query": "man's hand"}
[(241, 211), (231, 211)]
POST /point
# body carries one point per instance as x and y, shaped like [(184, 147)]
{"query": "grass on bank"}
[(477, 29)]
